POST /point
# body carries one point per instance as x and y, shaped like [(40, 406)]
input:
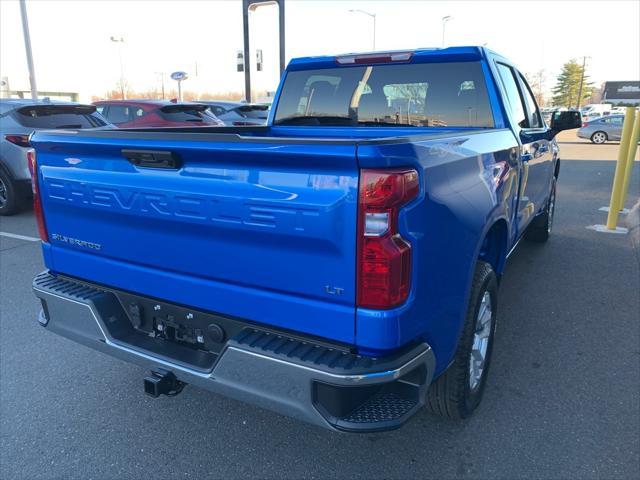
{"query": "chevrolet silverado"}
[(339, 265)]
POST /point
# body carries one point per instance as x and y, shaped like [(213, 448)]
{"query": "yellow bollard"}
[(618, 178), (633, 146)]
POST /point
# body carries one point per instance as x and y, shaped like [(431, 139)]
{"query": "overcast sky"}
[(72, 50)]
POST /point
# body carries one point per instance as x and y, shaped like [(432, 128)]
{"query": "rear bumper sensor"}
[(304, 378)]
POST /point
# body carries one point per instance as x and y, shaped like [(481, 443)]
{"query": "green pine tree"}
[(565, 93)]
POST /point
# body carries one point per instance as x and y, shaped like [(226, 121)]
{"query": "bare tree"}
[(537, 81)]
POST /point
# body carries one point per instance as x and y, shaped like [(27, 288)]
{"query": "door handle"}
[(152, 158)]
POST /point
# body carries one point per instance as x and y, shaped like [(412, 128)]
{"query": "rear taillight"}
[(585, 124), (20, 140), (37, 201), (384, 257)]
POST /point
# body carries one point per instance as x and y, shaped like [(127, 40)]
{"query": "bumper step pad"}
[(381, 407), (68, 288)]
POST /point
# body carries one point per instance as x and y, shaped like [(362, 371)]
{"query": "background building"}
[(622, 93)]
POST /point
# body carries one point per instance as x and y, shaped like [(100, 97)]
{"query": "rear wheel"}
[(540, 228), (599, 137), (8, 199), (458, 391)]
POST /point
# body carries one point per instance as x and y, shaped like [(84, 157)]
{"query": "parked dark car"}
[(156, 113), (238, 113), (18, 119)]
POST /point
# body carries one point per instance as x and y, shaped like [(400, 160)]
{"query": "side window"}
[(513, 95), (117, 114), (100, 109), (136, 113), (217, 111), (532, 108)]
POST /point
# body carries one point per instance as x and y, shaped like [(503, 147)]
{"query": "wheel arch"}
[(493, 247), (5, 169)]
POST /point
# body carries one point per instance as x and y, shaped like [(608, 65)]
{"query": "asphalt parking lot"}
[(562, 401)]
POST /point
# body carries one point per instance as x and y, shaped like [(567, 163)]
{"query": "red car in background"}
[(156, 113)]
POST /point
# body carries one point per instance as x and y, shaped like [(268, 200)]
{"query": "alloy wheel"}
[(481, 337), (552, 209), (3, 193)]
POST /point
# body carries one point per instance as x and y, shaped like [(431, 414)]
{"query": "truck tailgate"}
[(260, 230)]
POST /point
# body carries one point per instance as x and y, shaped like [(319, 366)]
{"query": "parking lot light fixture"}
[(27, 46), (373, 17), (161, 76), (120, 42)]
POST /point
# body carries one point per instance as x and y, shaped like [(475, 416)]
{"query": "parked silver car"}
[(238, 113), (18, 119), (602, 129)]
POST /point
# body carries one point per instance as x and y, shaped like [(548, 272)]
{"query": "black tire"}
[(599, 137), (539, 230), (9, 203), (451, 395)]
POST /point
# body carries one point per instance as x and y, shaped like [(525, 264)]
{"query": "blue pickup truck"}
[(339, 265)]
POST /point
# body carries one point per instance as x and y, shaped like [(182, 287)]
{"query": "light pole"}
[(27, 47), (161, 74), (249, 6), (584, 62), (372, 16), (120, 42), (444, 22)]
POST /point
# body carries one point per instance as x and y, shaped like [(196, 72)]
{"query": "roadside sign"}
[(240, 61), (259, 60), (179, 76)]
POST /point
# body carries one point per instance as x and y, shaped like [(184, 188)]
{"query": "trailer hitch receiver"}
[(162, 382)]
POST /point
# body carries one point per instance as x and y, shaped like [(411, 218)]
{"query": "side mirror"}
[(566, 120)]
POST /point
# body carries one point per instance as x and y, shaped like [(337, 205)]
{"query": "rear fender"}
[(494, 254), (470, 183)]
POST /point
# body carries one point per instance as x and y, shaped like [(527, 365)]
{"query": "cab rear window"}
[(419, 95)]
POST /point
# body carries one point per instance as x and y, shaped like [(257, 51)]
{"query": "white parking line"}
[(19, 237)]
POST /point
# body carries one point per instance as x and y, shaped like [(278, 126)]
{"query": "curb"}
[(633, 223)]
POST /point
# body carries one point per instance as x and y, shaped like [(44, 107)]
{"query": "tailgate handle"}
[(152, 158)]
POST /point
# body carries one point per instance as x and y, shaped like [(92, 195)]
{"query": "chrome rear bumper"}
[(296, 377)]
